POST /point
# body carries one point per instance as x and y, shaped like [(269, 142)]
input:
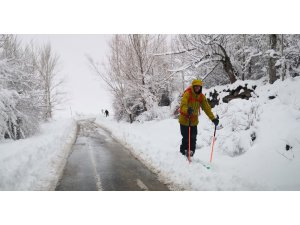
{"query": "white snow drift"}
[(256, 149), (37, 162)]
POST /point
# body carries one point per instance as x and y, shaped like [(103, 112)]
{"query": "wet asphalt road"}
[(99, 163)]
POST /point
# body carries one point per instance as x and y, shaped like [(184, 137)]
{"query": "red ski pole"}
[(213, 143), (189, 152)]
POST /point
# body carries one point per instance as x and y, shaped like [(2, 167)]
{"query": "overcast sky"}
[(86, 91)]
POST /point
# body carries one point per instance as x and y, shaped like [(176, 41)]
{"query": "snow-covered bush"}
[(239, 118), (16, 120), (9, 122), (20, 93), (155, 113)]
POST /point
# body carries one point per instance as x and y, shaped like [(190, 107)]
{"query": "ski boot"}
[(187, 153)]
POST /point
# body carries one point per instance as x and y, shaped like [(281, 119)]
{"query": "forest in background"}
[(144, 72), (29, 88)]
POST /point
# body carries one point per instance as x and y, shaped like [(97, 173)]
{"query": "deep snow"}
[(36, 163), (238, 162)]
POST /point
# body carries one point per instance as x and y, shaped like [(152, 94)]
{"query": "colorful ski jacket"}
[(191, 99)]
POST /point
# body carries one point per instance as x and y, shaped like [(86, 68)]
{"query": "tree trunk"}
[(244, 57), (229, 69), (283, 67), (272, 61), (228, 66)]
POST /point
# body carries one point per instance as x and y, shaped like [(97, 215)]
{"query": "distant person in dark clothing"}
[(106, 113)]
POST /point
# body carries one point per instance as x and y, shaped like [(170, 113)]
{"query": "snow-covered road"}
[(98, 162)]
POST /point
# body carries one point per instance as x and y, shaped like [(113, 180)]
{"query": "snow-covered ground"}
[(239, 163), (37, 162)]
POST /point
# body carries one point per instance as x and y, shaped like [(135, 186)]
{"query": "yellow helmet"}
[(197, 82)]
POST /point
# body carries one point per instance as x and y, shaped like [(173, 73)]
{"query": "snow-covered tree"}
[(19, 90), (145, 71), (272, 59), (47, 63), (29, 89), (288, 60), (219, 58), (248, 55), (138, 79), (204, 53)]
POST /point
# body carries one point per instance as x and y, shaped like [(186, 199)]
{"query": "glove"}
[(190, 111), (215, 121)]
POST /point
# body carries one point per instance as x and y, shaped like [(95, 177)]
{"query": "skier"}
[(106, 113), (190, 105)]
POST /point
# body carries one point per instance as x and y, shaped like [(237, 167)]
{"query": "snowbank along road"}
[(99, 163)]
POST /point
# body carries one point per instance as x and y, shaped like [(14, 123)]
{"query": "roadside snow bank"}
[(37, 162)]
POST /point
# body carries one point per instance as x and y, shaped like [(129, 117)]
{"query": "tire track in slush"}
[(96, 174)]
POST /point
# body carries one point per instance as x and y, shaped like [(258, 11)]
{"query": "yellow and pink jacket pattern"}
[(191, 99)]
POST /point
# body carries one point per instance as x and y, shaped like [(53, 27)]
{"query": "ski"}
[(198, 161), (201, 163), (204, 165)]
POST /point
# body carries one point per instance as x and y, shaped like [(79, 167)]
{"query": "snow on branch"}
[(174, 53)]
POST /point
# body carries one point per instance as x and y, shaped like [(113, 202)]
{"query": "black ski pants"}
[(185, 138)]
